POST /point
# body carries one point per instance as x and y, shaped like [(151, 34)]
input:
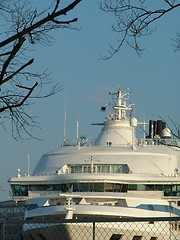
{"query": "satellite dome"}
[(166, 133), (133, 122)]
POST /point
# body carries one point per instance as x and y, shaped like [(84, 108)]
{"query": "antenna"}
[(144, 129), (64, 139), (28, 165), (92, 163), (77, 131)]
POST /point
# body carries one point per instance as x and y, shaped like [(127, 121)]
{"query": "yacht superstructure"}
[(116, 162), (117, 176)]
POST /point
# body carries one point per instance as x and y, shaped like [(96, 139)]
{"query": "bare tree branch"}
[(12, 54), (50, 17), (19, 84), (134, 20), (19, 104), (18, 71)]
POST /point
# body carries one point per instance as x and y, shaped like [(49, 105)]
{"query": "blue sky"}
[(74, 60)]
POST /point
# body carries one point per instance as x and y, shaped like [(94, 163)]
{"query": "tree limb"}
[(133, 21), (17, 71), (50, 17), (16, 105), (14, 51)]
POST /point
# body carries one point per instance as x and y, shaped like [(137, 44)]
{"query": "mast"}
[(120, 106), (117, 129), (77, 132), (28, 165), (64, 139)]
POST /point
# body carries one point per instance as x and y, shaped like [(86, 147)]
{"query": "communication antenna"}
[(28, 165), (92, 160), (144, 123), (77, 132), (64, 139)]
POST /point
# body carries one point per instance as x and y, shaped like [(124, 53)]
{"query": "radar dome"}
[(166, 133), (133, 122)]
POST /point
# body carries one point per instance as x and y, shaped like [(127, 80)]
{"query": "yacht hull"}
[(100, 231)]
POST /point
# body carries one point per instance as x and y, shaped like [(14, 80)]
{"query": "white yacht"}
[(94, 206), (116, 176)]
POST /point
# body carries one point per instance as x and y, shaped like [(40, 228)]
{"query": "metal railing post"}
[(93, 230)]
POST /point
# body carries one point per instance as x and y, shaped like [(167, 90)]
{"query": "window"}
[(56, 187), (31, 206), (117, 187), (98, 187), (83, 187), (158, 187), (109, 187), (149, 187), (87, 169), (150, 207), (116, 237), (121, 168), (103, 169), (20, 190), (178, 188), (124, 188), (132, 187), (116, 169), (76, 169), (141, 187), (137, 237), (153, 238)]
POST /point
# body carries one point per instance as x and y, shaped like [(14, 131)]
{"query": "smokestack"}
[(152, 128)]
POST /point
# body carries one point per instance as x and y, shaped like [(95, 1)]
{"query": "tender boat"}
[(116, 176)]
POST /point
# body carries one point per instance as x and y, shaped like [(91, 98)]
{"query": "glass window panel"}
[(32, 187), (121, 168), (117, 187), (13, 187), (167, 188), (64, 188), (76, 169), (21, 190), (115, 169), (149, 187), (109, 187), (103, 169), (16, 190), (75, 187), (125, 168), (57, 187), (47, 187), (87, 169), (140, 187), (158, 187), (136, 237), (132, 187), (124, 188), (84, 187), (98, 187), (174, 188), (91, 187)]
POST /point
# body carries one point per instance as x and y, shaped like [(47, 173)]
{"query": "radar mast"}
[(120, 107)]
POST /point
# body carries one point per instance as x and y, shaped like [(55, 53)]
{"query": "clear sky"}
[(74, 60)]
